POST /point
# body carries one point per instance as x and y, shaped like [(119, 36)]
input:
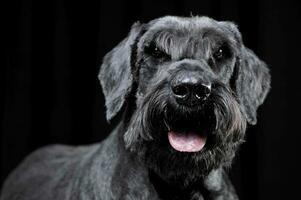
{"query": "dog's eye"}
[(156, 52), (222, 53), (218, 55)]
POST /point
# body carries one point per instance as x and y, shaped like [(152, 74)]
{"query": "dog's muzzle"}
[(190, 87)]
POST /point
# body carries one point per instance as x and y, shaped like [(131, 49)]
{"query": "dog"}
[(182, 90)]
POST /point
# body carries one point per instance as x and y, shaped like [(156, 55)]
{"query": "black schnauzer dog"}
[(186, 89)]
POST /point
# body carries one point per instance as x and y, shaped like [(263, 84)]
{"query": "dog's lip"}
[(187, 141)]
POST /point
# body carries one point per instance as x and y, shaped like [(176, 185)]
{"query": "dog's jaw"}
[(183, 145)]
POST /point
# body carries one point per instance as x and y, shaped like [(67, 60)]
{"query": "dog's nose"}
[(191, 91)]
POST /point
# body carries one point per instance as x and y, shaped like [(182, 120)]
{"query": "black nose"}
[(191, 91)]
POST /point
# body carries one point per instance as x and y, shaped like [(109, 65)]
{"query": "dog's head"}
[(193, 86)]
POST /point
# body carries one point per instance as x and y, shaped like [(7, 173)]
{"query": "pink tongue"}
[(186, 142)]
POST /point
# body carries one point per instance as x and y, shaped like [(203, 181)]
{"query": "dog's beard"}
[(219, 123)]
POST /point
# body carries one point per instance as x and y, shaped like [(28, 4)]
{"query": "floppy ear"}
[(252, 83), (251, 78), (116, 75)]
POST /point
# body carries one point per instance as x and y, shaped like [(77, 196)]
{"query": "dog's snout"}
[(190, 90)]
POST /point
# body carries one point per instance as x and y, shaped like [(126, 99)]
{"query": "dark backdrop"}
[(50, 92)]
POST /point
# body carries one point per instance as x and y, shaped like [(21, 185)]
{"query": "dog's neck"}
[(167, 190)]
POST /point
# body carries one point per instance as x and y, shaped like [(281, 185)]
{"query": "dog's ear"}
[(115, 74), (252, 83), (251, 77)]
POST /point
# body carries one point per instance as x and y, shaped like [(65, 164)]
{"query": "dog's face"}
[(193, 87)]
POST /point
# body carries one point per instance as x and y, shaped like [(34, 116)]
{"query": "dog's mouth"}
[(188, 141), (190, 133)]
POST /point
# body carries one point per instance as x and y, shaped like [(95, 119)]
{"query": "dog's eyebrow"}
[(172, 41), (175, 42), (163, 40), (219, 37)]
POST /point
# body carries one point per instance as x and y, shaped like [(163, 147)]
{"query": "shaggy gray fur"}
[(136, 161)]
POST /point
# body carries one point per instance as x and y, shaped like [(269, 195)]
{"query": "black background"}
[(50, 92)]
